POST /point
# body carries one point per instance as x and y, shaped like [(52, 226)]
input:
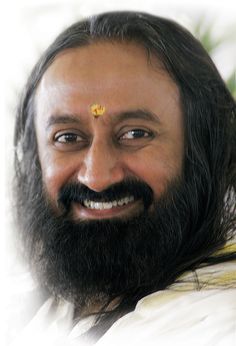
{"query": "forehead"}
[(91, 60), (118, 75)]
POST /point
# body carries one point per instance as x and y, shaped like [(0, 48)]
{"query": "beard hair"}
[(100, 259)]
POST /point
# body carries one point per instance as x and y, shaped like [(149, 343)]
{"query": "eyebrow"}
[(142, 114), (63, 119)]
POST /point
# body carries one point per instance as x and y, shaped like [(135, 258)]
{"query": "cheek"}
[(156, 170), (55, 172)]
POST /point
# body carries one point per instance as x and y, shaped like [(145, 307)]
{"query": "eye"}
[(136, 134), (70, 141), (69, 138)]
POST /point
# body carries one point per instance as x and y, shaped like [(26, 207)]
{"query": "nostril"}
[(101, 166), (100, 179)]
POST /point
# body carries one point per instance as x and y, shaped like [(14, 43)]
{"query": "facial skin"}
[(140, 135)]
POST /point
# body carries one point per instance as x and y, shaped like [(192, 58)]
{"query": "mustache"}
[(78, 193)]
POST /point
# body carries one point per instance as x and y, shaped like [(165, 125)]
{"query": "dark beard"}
[(81, 261)]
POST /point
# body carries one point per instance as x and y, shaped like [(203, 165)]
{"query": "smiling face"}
[(139, 135)]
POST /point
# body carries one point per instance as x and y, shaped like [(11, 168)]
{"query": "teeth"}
[(107, 205)]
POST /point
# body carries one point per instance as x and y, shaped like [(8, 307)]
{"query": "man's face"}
[(139, 136)]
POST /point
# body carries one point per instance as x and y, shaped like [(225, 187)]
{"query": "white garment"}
[(204, 318), (201, 313)]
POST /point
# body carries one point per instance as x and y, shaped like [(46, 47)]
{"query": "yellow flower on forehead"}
[(97, 110)]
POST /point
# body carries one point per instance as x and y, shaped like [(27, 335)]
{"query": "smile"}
[(108, 205), (91, 209)]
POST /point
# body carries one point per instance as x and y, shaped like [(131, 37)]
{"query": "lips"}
[(128, 197), (95, 205), (125, 207)]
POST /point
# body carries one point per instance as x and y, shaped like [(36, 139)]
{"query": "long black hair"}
[(209, 118)]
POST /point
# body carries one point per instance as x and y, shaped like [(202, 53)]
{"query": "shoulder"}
[(179, 318)]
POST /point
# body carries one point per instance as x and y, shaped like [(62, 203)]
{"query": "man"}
[(125, 171)]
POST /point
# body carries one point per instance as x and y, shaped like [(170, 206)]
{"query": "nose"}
[(101, 167)]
